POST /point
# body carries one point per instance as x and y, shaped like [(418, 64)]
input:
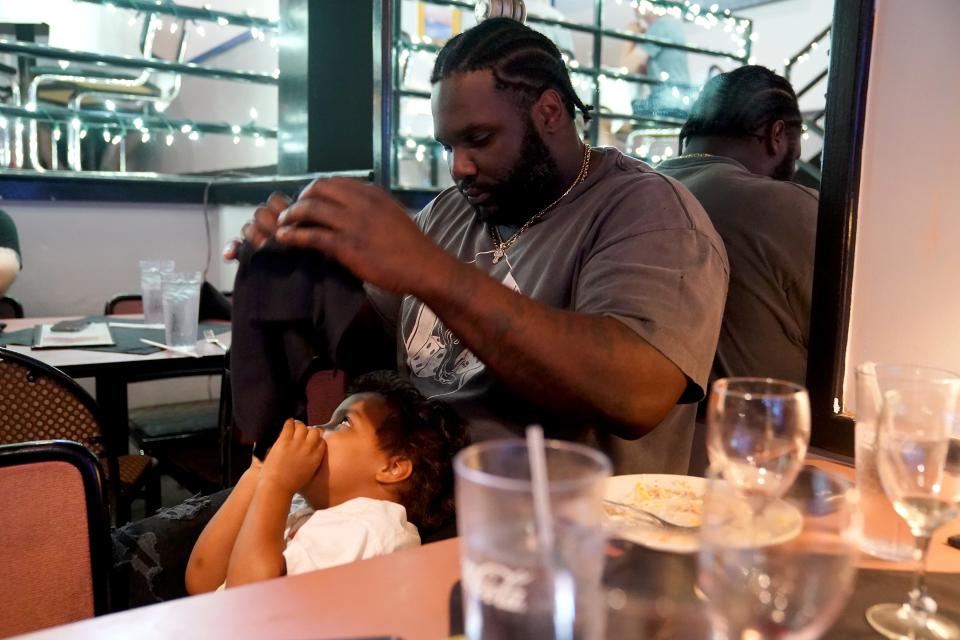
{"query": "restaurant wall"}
[(906, 306), (77, 255)]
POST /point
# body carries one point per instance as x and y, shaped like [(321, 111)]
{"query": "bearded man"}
[(558, 284)]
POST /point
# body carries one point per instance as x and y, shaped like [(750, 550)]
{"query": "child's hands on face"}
[(295, 456)]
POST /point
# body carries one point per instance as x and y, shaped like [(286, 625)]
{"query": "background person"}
[(740, 148), (10, 261), (666, 64)]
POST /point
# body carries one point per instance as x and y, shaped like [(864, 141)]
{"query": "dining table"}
[(414, 594), (112, 371)]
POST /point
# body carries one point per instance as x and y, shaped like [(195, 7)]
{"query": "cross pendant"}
[(498, 253)]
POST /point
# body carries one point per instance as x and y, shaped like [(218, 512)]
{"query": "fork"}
[(647, 516), (212, 338)]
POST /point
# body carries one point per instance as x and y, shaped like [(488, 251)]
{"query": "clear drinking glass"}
[(758, 430), (885, 533), (918, 457), (785, 571), (151, 272), (513, 588), (181, 307)]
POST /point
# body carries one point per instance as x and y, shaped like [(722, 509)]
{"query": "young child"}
[(351, 489)]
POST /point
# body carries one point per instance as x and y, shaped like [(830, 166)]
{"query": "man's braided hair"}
[(522, 60), (739, 102)]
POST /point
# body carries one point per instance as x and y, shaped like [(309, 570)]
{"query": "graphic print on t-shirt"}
[(434, 352)]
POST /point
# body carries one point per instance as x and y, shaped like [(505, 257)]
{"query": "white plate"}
[(674, 498), (680, 499)]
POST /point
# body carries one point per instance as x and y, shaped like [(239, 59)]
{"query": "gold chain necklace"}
[(500, 246), (696, 155)]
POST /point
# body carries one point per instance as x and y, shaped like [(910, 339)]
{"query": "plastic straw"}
[(541, 490)]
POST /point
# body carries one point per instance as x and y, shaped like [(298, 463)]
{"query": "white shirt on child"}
[(355, 530)]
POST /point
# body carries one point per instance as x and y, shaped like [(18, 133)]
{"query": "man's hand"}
[(364, 229), (262, 227)]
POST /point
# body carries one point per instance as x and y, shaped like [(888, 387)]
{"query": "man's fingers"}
[(278, 201), (312, 212), (341, 191), (309, 238), (265, 220), (231, 249)]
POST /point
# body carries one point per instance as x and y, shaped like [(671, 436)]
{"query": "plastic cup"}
[(512, 586), (885, 534), (181, 307), (150, 274)]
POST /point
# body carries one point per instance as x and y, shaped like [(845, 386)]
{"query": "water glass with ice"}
[(512, 586), (151, 272), (181, 307)]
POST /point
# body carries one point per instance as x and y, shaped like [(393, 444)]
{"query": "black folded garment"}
[(292, 309), (213, 304)]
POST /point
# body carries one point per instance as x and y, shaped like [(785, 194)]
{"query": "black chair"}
[(185, 437), (10, 308), (39, 402), (55, 538), (124, 303)]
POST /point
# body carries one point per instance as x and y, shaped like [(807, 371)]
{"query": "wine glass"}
[(918, 457), (785, 571), (758, 430)]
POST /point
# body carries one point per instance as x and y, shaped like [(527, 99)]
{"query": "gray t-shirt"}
[(627, 243), (769, 228)]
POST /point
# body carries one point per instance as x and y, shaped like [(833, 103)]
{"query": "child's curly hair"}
[(427, 432)]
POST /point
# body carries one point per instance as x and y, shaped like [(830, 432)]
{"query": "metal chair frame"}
[(7, 302), (98, 527), (120, 503)]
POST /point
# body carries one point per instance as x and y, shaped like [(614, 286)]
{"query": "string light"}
[(194, 136), (145, 136), (110, 105), (186, 129), (169, 140)]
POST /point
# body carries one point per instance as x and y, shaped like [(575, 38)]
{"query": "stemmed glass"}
[(758, 430), (918, 457), (785, 571)]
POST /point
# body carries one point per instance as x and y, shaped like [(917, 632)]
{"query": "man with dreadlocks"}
[(556, 283), (741, 143)]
